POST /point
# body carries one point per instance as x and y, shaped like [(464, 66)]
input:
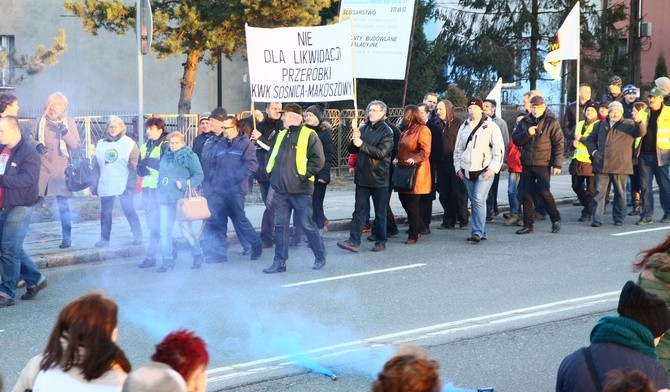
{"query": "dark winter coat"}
[(269, 129), (610, 148), (284, 176), (233, 162), (324, 132), (543, 149), (373, 156), (629, 348), (21, 179)]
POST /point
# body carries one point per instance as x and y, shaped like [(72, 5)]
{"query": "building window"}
[(7, 73), (622, 50)]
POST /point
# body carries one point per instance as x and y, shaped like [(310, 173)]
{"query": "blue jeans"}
[(167, 218), (380, 199), (512, 192), (152, 215), (619, 204), (14, 261), (224, 206), (478, 191), (302, 205), (648, 170)]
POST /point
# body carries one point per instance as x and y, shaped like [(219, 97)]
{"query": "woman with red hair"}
[(186, 353)]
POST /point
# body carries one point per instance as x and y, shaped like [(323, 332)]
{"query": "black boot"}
[(168, 264), (277, 266), (66, 243), (197, 262), (635, 196)]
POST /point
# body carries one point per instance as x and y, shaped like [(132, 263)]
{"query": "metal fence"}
[(93, 128)]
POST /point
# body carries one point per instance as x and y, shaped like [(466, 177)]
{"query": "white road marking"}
[(412, 335), (640, 231), (353, 275)]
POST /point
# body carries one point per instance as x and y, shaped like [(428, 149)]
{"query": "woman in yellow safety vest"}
[(583, 181)]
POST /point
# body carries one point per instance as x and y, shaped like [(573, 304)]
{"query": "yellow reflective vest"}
[(301, 153), (151, 180), (581, 152)]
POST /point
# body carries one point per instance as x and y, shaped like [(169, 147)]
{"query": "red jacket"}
[(513, 158)]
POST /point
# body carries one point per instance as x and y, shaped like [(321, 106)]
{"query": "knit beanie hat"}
[(590, 105), (615, 105), (629, 89), (646, 308), (664, 84), (316, 111), (476, 101)]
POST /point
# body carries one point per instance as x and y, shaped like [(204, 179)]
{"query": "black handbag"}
[(79, 175), (404, 178)]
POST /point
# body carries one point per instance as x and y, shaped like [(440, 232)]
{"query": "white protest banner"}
[(382, 30), (301, 64)]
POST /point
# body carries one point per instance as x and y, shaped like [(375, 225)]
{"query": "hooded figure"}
[(626, 342)]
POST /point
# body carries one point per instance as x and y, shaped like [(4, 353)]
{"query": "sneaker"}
[(596, 224), (379, 247), (556, 227), (318, 264), (540, 217), (618, 223), (31, 291), (507, 215), (367, 228), (490, 219), (665, 219), (512, 220), (348, 245), (5, 302), (644, 222), (463, 226), (102, 244), (372, 238), (474, 239), (21, 284)]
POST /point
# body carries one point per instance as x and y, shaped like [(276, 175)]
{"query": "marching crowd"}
[(618, 144)]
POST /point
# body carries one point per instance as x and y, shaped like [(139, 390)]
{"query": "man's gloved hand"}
[(42, 149), (302, 178), (62, 129)]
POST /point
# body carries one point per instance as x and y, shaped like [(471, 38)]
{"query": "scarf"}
[(62, 147), (624, 332)]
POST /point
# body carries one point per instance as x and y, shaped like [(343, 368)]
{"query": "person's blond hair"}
[(54, 98)]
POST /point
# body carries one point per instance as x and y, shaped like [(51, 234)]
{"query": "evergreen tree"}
[(661, 66), (202, 30), (22, 65), (426, 67), (487, 39)]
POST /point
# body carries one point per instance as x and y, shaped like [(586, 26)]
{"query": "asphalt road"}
[(502, 313)]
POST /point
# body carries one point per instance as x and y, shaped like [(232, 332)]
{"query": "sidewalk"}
[(43, 238)]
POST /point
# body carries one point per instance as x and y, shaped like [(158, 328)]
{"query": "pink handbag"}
[(192, 206)]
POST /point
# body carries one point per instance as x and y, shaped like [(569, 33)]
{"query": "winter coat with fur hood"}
[(655, 278)]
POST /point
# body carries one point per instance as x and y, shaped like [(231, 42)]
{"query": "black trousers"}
[(535, 177)]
